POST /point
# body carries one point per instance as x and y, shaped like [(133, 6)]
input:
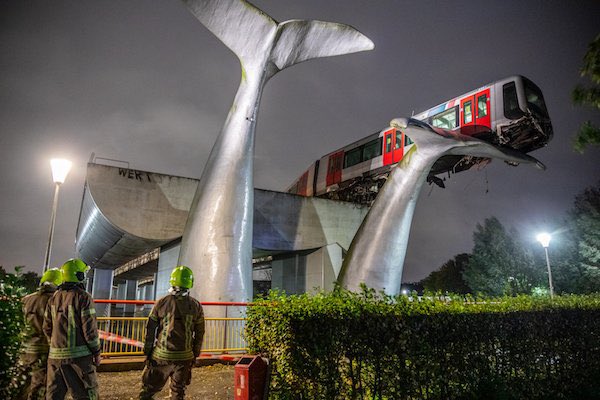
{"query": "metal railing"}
[(123, 336)]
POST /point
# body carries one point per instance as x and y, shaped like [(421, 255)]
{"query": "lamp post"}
[(544, 239), (60, 169)]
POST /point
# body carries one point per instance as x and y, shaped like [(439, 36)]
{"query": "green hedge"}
[(12, 324), (366, 346)]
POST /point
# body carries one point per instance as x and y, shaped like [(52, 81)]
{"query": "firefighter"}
[(34, 358), (71, 328), (173, 338)]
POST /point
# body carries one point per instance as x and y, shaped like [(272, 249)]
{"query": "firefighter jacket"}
[(34, 306), (175, 329), (70, 323)]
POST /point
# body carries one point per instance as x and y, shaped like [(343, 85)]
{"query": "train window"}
[(535, 100), (371, 149), (352, 157), (482, 106), (468, 113), (446, 119), (398, 140), (388, 143), (407, 140), (511, 102)]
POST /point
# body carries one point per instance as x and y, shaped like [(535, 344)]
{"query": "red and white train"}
[(510, 112)]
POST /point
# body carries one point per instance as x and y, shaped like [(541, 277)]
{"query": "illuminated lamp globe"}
[(60, 169), (544, 239)]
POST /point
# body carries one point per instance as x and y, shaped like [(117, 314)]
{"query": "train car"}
[(510, 112)]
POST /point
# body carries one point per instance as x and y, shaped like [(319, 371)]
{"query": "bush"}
[(345, 345), (11, 327)]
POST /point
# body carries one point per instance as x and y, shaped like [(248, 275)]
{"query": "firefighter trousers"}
[(157, 372), (32, 369), (77, 375)]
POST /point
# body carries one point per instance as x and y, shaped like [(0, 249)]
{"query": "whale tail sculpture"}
[(376, 254), (217, 240), (251, 34)]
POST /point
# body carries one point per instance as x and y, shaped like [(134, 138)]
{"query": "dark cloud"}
[(146, 83)]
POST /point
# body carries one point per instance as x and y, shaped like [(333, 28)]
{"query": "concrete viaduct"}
[(131, 222)]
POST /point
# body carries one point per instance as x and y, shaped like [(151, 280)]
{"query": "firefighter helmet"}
[(182, 277), (74, 270), (52, 276)]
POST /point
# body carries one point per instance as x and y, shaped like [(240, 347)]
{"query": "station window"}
[(467, 113), (482, 106), (446, 119), (371, 149), (511, 102), (352, 157)]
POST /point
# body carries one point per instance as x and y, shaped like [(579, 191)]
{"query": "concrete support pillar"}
[(120, 296), (322, 268), (289, 274), (130, 294), (102, 289), (166, 262), (301, 272)]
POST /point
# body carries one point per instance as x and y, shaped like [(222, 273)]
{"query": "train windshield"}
[(535, 100)]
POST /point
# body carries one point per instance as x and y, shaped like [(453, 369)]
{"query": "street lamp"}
[(60, 169), (544, 239)]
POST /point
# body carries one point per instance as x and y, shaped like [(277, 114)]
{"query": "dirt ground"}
[(213, 382)]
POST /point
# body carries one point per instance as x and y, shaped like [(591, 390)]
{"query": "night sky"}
[(144, 82)]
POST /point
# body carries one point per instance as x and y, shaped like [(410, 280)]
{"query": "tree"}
[(585, 217), (589, 96), (500, 264), (448, 278)]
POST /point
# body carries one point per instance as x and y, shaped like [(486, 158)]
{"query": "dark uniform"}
[(35, 344), (70, 324), (173, 341)]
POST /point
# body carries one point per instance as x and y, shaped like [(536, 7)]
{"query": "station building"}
[(131, 222)]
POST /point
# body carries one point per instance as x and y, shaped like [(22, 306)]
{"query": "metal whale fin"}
[(455, 143), (302, 40), (241, 26)]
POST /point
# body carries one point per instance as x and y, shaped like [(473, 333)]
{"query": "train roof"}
[(441, 107)]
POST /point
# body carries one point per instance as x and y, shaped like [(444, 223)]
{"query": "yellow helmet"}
[(182, 277), (53, 275), (74, 270)]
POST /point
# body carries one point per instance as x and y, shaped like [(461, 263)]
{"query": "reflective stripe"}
[(69, 352), (89, 311), (92, 394), (36, 348), (170, 355), (189, 323), (94, 343), (165, 331), (71, 333)]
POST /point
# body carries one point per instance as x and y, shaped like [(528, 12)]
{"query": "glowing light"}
[(60, 169), (544, 239)]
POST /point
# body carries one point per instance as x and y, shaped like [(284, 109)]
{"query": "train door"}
[(467, 113), (334, 169), (398, 147), (482, 108), (388, 147)]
